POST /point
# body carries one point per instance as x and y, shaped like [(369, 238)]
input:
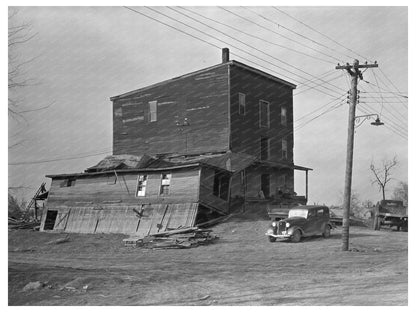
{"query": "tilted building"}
[(185, 150)]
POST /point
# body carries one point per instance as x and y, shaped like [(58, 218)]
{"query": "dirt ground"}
[(241, 268)]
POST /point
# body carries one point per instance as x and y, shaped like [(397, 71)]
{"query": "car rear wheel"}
[(297, 235), (272, 239), (327, 232)]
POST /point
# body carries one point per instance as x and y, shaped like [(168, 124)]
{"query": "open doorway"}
[(50, 219)]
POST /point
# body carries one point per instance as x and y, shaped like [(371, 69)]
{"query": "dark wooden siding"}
[(246, 132), (201, 98)]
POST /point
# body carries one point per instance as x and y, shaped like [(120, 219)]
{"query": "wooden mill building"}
[(185, 150)]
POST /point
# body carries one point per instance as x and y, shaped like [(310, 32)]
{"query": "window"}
[(141, 185), (68, 182), (283, 116), (320, 212), (221, 183), (164, 188), (152, 111), (264, 148), (281, 181), (284, 148), (264, 114), (241, 104)]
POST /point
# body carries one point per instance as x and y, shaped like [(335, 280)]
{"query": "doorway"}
[(50, 219)]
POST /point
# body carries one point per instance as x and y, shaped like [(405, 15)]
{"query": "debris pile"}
[(180, 238), (15, 224)]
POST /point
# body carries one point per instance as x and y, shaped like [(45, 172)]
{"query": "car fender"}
[(292, 230)]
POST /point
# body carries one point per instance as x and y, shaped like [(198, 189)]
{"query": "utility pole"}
[(355, 73)]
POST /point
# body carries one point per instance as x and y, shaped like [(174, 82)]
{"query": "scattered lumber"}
[(15, 224), (174, 239)]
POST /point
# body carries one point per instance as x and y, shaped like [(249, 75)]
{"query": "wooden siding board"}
[(245, 129), (203, 99)]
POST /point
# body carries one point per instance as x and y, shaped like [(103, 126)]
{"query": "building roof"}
[(230, 63), (276, 164)]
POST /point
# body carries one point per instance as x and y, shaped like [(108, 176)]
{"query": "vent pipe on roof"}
[(225, 55)]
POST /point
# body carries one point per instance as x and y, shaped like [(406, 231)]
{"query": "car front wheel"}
[(327, 232), (297, 235), (272, 239)]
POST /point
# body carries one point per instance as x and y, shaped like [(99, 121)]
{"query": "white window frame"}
[(165, 181), (152, 111), (283, 116), (268, 114), (241, 104), (141, 185)]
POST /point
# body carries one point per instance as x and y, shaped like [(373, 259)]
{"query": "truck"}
[(391, 213)]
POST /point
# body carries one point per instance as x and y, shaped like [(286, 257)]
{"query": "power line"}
[(318, 85), (290, 39), (256, 37), (322, 34), (248, 45), (207, 34), (56, 159), (296, 33)]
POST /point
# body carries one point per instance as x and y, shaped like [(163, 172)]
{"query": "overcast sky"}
[(85, 55)]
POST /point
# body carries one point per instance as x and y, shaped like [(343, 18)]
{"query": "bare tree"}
[(19, 33), (382, 175)]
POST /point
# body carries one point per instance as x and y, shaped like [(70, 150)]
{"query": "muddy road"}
[(241, 268)]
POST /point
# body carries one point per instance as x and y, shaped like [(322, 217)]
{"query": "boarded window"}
[(264, 114), (284, 148), (164, 188), (152, 111), (221, 184), (241, 104), (283, 116), (141, 185), (264, 148)]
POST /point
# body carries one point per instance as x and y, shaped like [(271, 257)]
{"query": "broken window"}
[(152, 111), (241, 104), (264, 114), (221, 185), (164, 188), (141, 185), (264, 148), (283, 116), (284, 148)]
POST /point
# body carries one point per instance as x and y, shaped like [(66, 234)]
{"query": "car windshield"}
[(303, 213)]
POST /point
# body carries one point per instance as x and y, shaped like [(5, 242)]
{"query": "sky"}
[(81, 56)]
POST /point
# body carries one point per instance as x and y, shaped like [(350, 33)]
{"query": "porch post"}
[(306, 185)]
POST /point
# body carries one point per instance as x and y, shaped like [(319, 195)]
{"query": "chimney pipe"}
[(225, 55)]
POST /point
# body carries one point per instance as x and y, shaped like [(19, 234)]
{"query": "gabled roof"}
[(230, 63)]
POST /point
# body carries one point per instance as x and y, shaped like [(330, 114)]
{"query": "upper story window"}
[(152, 111), (164, 188), (241, 104), (264, 114), (264, 148), (283, 116), (141, 185), (68, 182), (284, 148)]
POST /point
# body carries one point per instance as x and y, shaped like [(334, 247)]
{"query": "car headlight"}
[(274, 223), (287, 224)]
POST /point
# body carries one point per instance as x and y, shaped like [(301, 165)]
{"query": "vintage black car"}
[(302, 221)]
